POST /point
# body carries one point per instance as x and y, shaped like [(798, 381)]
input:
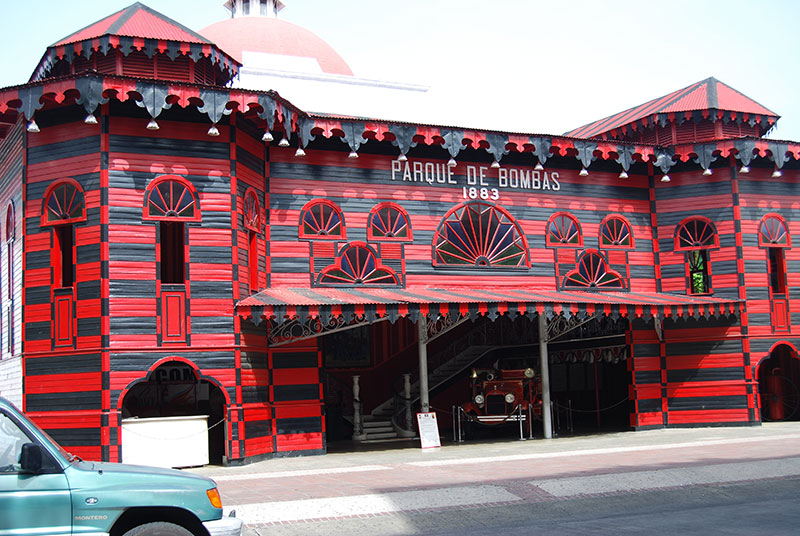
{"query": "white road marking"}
[(358, 505), (668, 478), (589, 452), (303, 472)]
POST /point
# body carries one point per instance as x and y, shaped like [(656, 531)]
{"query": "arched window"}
[(696, 233), (696, 236), (773, 235), (482, 235), (564, 230), (10, 227), (9, 236), (698, 271), (322, 219), (773, 232), (252, 211), (252, 222), (388, 221), (64, 202), (357, 265), (592, 272), (172, 201), (171, 197), (615, 232)]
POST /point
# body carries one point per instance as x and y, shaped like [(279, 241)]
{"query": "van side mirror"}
[(30, 459)]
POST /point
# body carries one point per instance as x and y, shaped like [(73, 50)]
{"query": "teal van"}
[(44, 490)]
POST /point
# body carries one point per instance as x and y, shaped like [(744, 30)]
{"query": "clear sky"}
[(517, 65)]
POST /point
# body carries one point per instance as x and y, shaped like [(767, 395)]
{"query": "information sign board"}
[(428, 430)]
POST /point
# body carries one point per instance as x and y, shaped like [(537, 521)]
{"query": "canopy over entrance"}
[(342, 306)]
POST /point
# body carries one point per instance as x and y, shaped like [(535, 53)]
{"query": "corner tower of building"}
[(704, 111), (141, 42)]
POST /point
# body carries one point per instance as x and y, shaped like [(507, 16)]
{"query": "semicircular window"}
[(696, 233), (388, 221), (773, 232), (482, 235), (592, 272), (172, 199), (615, 232), (357, 265), (321, 219), (64, 203), (563, 230)]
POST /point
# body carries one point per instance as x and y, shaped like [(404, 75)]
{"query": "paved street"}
[(733, 480)]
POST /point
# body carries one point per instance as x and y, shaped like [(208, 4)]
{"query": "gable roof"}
[(708, 94), (136, 20)]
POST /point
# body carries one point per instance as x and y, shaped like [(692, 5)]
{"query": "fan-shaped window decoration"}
[(64, 202), (252, 210), (563, 230), (592, 272), (357, 265), (773, 232), (170, 197), (321, 219), (388, 221), (615, 232), (480, 234), (696, 233)]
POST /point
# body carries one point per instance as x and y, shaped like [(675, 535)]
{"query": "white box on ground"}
[(428, 430), (166, 441)]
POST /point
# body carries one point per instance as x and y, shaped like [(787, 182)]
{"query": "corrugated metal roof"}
[(93, 30), (696, 99), (704, 95), (281, 302), (136, 20)]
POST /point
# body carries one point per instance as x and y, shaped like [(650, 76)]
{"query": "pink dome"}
[(274, 36)]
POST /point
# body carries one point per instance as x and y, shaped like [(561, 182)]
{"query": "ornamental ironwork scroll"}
[(294, 330), (561, 324), (443, 323)]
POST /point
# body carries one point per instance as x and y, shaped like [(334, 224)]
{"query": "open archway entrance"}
[(171, 391), (484, 373), (779, 385), (587, 369)]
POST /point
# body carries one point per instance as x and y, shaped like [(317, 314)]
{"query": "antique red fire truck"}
[(507, 392)]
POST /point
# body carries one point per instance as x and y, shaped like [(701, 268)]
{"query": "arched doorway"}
[(174, 389), (779, 385)]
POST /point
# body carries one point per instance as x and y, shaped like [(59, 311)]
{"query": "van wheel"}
[(158, 529)]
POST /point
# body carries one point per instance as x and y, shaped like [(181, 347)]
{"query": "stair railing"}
[(477, 336)]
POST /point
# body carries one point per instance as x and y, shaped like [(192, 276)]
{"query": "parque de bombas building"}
[(176, 244)]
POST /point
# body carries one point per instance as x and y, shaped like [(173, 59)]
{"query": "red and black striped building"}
[(166, 232)]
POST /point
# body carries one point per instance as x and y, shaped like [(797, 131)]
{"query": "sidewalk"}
[(353, 455)]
